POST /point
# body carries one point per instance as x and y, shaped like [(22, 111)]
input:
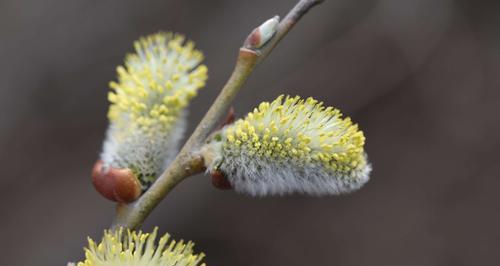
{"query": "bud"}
[(219, 180), (262, 34), (119, 248), (148, 106), (120, 185), (290, 145)]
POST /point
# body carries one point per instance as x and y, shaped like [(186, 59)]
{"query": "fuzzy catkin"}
[(290, 145), (148, 102), (124, 247)]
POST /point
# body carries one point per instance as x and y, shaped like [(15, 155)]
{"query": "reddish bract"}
[(219, 180), (119, 185)]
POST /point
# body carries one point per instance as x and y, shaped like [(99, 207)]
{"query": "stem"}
[(188, 162)]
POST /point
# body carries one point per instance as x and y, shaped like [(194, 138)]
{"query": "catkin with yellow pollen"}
[(290, 145), (148, 102), (122, 248)]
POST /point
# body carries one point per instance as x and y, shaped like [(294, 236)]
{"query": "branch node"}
[(188, 162)]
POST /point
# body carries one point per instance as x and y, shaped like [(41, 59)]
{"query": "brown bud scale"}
[(219, 180), (116, 184)]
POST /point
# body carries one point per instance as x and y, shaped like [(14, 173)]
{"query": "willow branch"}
[(257, 47)]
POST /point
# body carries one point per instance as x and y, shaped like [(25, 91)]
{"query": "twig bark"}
[(188, 162)]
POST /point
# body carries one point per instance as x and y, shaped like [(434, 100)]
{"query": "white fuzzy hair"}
[(149, 154), (256, 176), (272, 179)]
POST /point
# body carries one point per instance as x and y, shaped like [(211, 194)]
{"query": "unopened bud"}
[(262, 34), (119, 185), (219, 180)]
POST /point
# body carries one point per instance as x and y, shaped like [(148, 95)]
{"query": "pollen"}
[(120, 248), (307, 131), (157, 81)]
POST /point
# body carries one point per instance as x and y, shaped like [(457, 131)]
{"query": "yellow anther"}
[(291, 127)]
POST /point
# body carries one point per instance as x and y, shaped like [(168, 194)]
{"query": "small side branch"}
[(257, 47)]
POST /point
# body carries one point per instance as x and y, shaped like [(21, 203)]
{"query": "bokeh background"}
[(421, 77)]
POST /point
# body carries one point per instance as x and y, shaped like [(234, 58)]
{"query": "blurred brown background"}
[(420, 76)]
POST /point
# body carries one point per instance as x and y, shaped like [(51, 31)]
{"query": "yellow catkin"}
[(290, 145), (148, 103), (124, 247), (300, 130), (157, 81)]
